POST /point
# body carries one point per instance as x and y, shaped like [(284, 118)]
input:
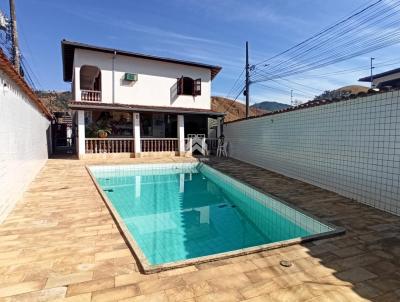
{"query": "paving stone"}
[(90, 286), (155, 297), (78, 298), (20, 288), (68, 279), (221, 296), (150, 286), (52, 240), (357, 274), (49, 294), (114, 294), (180, 293)]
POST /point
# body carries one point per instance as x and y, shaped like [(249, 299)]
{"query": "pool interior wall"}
[(183, 211)]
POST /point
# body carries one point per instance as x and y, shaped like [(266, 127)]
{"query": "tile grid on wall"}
[(350, 147)]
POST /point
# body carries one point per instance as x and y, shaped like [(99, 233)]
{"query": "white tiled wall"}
[(23, 144), (350, 147)]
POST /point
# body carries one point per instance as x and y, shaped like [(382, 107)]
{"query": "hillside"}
[(270, 106), (237, 110), (55, 100), (341, 92), (354, 89)]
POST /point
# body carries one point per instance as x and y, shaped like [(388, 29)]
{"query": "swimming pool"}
[(179, 213)]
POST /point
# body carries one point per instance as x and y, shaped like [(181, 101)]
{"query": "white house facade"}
[(136, 104)]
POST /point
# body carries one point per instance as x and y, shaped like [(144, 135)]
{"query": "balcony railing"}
[(90, 96), (159, 144), (110, 145), (127, 145)]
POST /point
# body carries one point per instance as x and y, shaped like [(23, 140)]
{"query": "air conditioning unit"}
[(131, 77)]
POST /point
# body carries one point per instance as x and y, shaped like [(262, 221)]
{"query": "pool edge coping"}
[(148, 268)]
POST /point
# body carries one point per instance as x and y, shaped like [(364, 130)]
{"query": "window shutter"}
[(179, 86), (197, 87)]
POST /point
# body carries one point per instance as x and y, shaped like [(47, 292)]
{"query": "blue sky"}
[(206, 31)]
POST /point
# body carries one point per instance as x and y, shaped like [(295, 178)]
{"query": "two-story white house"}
[(137, 104)]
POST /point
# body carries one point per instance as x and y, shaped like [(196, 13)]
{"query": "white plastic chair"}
[(221, 149)]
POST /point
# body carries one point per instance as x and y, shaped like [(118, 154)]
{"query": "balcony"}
[(90, 96)]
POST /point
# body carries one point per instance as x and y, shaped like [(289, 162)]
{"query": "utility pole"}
[(247, 80), (291, 97), (14, 37), (372, 67)]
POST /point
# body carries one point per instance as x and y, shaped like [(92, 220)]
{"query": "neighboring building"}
[(144, 103), (389, 78), (24, 135)]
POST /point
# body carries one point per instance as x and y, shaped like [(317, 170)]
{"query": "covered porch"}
[(108, 130)]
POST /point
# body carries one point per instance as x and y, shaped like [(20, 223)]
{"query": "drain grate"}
[(285, 263)]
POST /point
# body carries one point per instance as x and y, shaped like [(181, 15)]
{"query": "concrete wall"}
[(350, 147), (156, 85), (23, 143)]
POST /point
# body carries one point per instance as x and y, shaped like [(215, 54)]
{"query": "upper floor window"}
[(90, 78), (90, 83), (188, 86)]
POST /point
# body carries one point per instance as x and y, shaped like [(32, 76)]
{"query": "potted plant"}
[(102, 129)]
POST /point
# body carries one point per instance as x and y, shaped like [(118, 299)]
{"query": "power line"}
[(317, 34), (234, 87), (336, 46), (235, 99)]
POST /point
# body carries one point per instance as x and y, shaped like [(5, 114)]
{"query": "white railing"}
[(109, 145), (159, 144), (127, 145), (205, 146), (91, 95)]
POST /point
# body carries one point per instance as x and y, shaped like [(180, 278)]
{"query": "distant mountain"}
[(270, 106), (236, 110)]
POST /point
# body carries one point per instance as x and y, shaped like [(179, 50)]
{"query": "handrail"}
[(109, 145), (157, 139), (109, 138), (90, 95), (152, 144)]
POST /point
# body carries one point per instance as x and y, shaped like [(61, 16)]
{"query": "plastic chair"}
[(222, 145)]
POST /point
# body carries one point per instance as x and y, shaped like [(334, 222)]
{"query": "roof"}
[(9, 70), (68, 51), (315, 103), (380, 75), (139, 108)]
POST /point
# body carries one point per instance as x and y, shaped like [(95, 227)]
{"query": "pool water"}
[(181, 211)]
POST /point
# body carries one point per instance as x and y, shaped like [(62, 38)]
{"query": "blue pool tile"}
[(182, 211)]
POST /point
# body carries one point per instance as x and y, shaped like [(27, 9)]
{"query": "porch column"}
[(181, 135), (219, 126), (136, 134), (77, 83), (81, 133)]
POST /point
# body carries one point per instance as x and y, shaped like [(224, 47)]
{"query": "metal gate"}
[(63, 133)]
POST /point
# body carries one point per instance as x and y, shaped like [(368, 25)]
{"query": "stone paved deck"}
[(60, 243)]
